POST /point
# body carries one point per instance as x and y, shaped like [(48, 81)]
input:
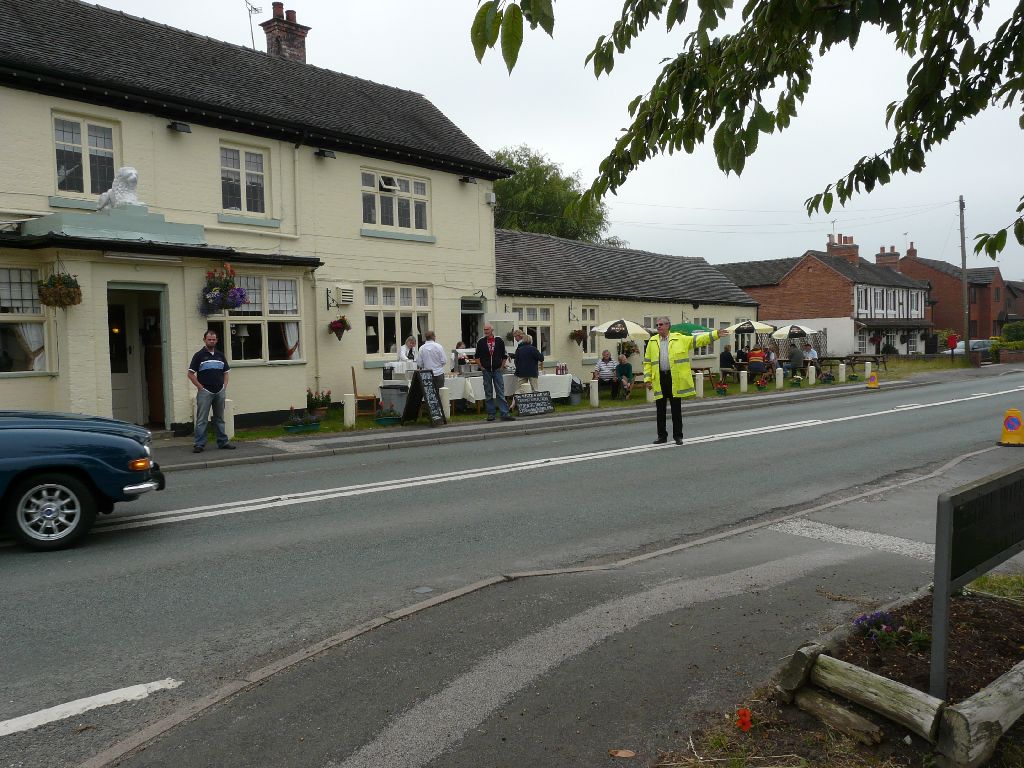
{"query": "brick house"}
[(991, 303), (848, 298)]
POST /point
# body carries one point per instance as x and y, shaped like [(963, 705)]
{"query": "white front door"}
[(126, 394)]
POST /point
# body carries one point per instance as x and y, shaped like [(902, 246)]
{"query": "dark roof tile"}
[(544, 265)]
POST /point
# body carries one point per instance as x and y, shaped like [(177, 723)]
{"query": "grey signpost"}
[(979, 525)]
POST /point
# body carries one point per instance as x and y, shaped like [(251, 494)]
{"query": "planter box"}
[(298, 429), (388, 420), (721, 393)]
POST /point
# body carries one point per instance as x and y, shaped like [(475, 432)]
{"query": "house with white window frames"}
[(358, 200)]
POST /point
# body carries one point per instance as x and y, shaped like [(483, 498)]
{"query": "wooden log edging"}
[(837, 716), (914, 710), (971, 729)]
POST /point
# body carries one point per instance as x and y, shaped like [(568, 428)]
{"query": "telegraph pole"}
[(963, 286)]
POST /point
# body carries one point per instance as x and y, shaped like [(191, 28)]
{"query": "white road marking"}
[(810, 529), (326, 494), (424, 732), (77, 707)]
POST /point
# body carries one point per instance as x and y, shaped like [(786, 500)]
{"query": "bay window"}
[(267, 328)]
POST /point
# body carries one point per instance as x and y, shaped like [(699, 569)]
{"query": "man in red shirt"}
[(490, 352)]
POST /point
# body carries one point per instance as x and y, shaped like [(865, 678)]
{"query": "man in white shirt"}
[(433, 358)]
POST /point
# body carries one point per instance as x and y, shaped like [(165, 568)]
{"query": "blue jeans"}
[(205, 402), (494, 388)]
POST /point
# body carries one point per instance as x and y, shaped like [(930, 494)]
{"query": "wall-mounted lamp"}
[(325, 153), (370, 331), (467, 180), (696, 305), (180, 127)]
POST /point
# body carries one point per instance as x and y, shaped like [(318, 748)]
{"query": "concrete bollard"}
[(446, 401), (867, 371), (349, 412), (595, 393), (743, 381), (842, 373), (778, 378), (811, 373), (698, 384)]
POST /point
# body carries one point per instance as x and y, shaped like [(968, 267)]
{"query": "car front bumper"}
[(156, 482)]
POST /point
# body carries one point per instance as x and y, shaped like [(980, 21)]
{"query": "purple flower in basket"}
[(235, 297)]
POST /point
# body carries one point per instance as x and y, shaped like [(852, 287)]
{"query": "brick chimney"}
[(844, 247), (285, 37), (890, 259), (911, 251)]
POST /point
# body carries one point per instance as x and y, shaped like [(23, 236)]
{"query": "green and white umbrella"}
[(689, 328), (621, 329), (751, 326), (793, 332)]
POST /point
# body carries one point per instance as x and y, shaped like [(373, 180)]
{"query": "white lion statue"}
[(123, 190)]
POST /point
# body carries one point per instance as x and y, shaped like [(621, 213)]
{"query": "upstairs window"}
[(85, 156), (242, 180), (395, 202)]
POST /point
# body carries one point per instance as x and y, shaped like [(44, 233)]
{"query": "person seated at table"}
[(459, 358), (528, 358), (771, 358), (755, 361), (810, 354), (407, 352), (726, 360), (795, 366), (604, 371), (741, 354), (623, 379)]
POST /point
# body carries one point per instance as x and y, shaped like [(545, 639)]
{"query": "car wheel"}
[(51, 511)]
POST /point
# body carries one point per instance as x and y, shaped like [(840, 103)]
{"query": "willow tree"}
[(731, 88)]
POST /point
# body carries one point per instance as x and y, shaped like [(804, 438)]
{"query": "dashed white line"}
[(78, 706)]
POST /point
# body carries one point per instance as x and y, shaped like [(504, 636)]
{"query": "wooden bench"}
[(725, 373)]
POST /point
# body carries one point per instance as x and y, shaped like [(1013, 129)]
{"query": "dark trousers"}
[(677, 409)]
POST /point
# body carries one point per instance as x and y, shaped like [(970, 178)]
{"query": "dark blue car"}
[(58, 470)]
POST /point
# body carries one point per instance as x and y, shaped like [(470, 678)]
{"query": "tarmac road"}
[(209, 596)]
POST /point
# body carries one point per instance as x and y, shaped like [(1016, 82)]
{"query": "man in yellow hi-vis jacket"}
[(667, 372)]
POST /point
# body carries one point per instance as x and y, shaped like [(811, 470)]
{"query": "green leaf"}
[(511, 35), (478, 32), (1000, 239), (1018, 230), (544, 13), (493, 23), (827, 202)]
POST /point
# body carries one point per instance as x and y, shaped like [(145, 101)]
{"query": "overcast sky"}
[(682, 204)]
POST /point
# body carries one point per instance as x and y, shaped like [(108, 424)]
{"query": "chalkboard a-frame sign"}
[(534, 403), (422, 390)]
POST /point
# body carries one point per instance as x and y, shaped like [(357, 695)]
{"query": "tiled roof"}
[(976, 275), (544, 265), (866, 273), (747, 274), (111, 52), (1016, 286)]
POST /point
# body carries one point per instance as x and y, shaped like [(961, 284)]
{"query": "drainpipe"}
[(316, 328)]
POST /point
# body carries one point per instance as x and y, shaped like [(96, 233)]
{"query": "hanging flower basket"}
[(60, 290), (339, 326), (578, 335), (220, 292)]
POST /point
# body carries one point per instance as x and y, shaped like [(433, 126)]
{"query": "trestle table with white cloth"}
[(471, 388)]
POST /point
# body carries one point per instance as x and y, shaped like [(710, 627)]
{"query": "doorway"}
[(135, 335), (472, 313)]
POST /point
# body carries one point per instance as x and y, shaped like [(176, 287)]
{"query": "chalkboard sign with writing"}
[(422, 390), (534, 403)]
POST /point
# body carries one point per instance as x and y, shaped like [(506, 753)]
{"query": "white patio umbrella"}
[(793, 332), (621, 329), (750, 326)]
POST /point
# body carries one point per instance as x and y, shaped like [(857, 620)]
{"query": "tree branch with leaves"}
[(738, 86)]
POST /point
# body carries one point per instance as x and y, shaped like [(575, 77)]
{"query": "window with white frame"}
[(535, 321), (863, 300), (393, 313), (891, 339), (890, 300), (912, 343), (22, 332), (243, 177), (84, 152), (707, 322), (267, 328), (395, 202), (879, 301), (862, 342), (915, 304), (589, 317)]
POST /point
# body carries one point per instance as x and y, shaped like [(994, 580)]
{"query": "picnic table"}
[(878, 361)]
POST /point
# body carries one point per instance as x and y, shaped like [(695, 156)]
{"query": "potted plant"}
[(828, 378), (298, 424), (578, 335), (318, 402), (796, 381), (387, 416), (629, 348), (339, 326), (220, 292), (60, 290), (761, 382), (721, 388), (876, 340)]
